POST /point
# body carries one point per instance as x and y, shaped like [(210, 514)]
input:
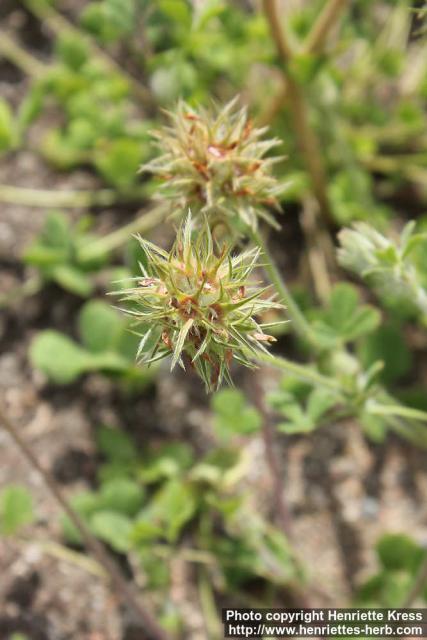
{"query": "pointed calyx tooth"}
[(214, 161), (197, 304)]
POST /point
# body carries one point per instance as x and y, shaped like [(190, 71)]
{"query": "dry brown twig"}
[(307, 139), (314, 44), (281, 506), (315, 225), (327, 19), (318, 248)]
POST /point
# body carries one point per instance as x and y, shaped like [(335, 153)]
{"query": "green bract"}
[(362, 248), (386, 264), (197, 305), (213, 162)]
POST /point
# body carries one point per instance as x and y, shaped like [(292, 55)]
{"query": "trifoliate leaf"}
[(100, 326), (233, 415), (113, 528)]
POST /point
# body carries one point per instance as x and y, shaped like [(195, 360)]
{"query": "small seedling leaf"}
[(16, 509)]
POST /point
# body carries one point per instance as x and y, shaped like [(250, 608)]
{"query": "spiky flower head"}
[(197, 305), (212, 161)]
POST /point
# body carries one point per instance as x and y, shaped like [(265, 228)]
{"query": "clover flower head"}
[(212, 161), (198, 305)]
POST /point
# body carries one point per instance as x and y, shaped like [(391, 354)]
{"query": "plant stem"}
[(399, 165), (16, 54), (124, 590), (299, 322), (303, 329), (62, 553), (92, 250), (306, 136), (283, 47), (67, 198), (397, 410), (313, 44), (318, 248), (207, 601), (305, 372), (301, 371), (328, 17), (118, 237)]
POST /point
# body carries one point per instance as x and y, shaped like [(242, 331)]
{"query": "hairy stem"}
[(301, 371), (389, 408), (307, 139), (124, 590), (299, 323), (91, 250), (10, 49), (67, 198), (60, 552), (397, 410), (116, 238), (208, 605)]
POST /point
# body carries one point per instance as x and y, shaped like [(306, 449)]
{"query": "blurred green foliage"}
[(149, 501), (233, 415), (399, 558), (344, 320), (106, 345), (57, 255), (16, 509), (101, 125), (302, 407)]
